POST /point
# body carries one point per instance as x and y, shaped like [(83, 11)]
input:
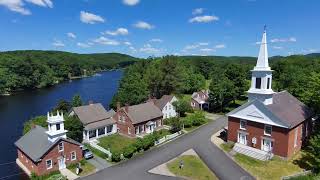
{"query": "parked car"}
[(87, 154)]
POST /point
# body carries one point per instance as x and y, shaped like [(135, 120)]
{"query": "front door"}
[(242, 138), (266, 145), (62, 163)]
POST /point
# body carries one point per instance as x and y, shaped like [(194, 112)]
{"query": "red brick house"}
[(43, 151), (199, 100), (138, 119), (270, 123)]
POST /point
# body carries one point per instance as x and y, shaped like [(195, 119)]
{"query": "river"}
[(17, 109)]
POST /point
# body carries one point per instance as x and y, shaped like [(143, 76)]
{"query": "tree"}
[(182, 106), (63, 106), (74, 127), (311, 154), (236, 74), (76, 101), (311, 94), (176, 124)]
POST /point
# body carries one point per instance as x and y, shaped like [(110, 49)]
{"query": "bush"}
[(148, 141), (39, 120), (139, 144), (116, 156), (129, 151), (198, 118), (187, 122), (176, 125)]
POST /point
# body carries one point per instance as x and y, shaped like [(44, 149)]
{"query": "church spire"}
[(263, 62)]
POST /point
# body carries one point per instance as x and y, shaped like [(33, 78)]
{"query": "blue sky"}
[(145, 28)]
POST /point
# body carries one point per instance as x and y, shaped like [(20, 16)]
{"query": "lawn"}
[(86, 167), (193, 168), (227, 146), (163, 132), (115, 142), (96, 151), (276, 167)]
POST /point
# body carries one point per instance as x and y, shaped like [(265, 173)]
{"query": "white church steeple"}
[(262, 76), (55, 127)]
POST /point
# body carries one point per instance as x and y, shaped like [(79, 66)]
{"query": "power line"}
[(7, 163), (5, 177)]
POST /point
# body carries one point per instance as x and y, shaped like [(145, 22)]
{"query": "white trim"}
[(245, 124), (59, 146), (50, 163), (264, 132)]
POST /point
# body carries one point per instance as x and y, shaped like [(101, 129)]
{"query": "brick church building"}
[(270, 123)]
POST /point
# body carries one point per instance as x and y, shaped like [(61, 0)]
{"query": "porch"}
[(252, 152), (91, 134), (153, 129)]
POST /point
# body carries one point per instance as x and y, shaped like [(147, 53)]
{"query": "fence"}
[(95, 145), (296, 175), (167, 138)]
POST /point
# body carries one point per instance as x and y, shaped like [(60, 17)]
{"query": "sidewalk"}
[(67, 173)]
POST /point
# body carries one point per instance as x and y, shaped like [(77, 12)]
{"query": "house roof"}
[(197, 96), (285, 111), (35, 143), (143, 112), (160, 103), (289, 109), (93, 113)]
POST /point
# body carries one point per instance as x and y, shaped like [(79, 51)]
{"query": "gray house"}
[(97, 121)]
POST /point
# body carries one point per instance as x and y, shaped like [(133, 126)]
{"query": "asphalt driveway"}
[(137, 167)]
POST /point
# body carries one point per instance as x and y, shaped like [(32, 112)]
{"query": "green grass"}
[(96, 151), (273, 169), (115, 142), (227, 147), (193, 168), (87, 168), (163, 132), (306, 177)]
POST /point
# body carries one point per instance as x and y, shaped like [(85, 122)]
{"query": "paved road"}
[(99, 163), (137, 167)]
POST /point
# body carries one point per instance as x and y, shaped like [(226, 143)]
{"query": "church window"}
[(243, 124), (267, 130), (268, 83), (258, 83), (58, 127), (60, 146)]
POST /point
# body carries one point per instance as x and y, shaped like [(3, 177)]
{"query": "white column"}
[(105, 130), (97, 133)]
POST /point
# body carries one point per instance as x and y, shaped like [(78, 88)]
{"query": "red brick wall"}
[(283, 144), (292, 149), (40, 168), (123, 126), (197, 105), (27, 162)]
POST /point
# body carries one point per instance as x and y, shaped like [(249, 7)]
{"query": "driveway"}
[(99, 163), (199, 140)]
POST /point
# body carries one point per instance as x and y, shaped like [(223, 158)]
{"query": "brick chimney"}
[(127, 107), (118, 106)]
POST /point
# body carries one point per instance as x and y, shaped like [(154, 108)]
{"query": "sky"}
[(144, 28)]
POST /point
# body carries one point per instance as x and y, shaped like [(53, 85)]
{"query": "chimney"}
[(90, 102), (118, 106), (127, 107)]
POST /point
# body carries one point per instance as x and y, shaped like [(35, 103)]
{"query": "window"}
[(258, 83), (58, 127), (268, 83), (122, 118), (73, 156), (129, 130), (101, 131), (296, 137), (109, 128), (267, 130), (49, 164), (243, 124), (137, 129), (60, 146), (92, 133)]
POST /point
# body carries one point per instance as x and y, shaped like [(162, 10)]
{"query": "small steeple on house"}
[(270, 123), (46, 150)]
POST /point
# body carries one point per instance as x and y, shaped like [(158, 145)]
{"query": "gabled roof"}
[(160, 103), (143, 112), (93, 113), (285, 111), (35, 143), (197, 96)]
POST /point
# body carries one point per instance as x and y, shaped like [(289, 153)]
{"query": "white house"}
[(165, 104), (96, 120)]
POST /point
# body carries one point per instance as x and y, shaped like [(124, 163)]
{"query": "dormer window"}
[(60, 146), (243, 124), (258, 83), (267, 130)]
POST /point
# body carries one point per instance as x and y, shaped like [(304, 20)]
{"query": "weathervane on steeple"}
[(265, 28)]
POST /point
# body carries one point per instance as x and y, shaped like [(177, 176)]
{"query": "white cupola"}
[(55, 127), (262, 76)]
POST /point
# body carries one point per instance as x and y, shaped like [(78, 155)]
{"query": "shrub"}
[(187, 122), (198, 118), (129, 151), (116, 156), (176, 125), (139, 144)]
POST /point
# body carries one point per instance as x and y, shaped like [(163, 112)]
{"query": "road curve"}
[(137, 167)]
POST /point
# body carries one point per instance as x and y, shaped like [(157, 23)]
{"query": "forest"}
[(21, 70), (227, 78)]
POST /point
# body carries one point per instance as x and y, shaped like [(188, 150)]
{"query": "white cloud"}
[(90, 18), (83, 45), (58, 43), (207, 50), (307, 51), (203, 19), (143, 25), (203, 43), (130, 2), (147, 48), (71, 35), (277, 47), (156, 40), (197, 11), (119, 31), (43, 3), (105, 41), (220, 46), (276, 40), (196, 45), (127, 43), (16, 6)]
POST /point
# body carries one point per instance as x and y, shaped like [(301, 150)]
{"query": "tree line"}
[(20, 70)]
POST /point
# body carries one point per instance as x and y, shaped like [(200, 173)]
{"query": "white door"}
[(242, 138), (62, 163), (266, 145)]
